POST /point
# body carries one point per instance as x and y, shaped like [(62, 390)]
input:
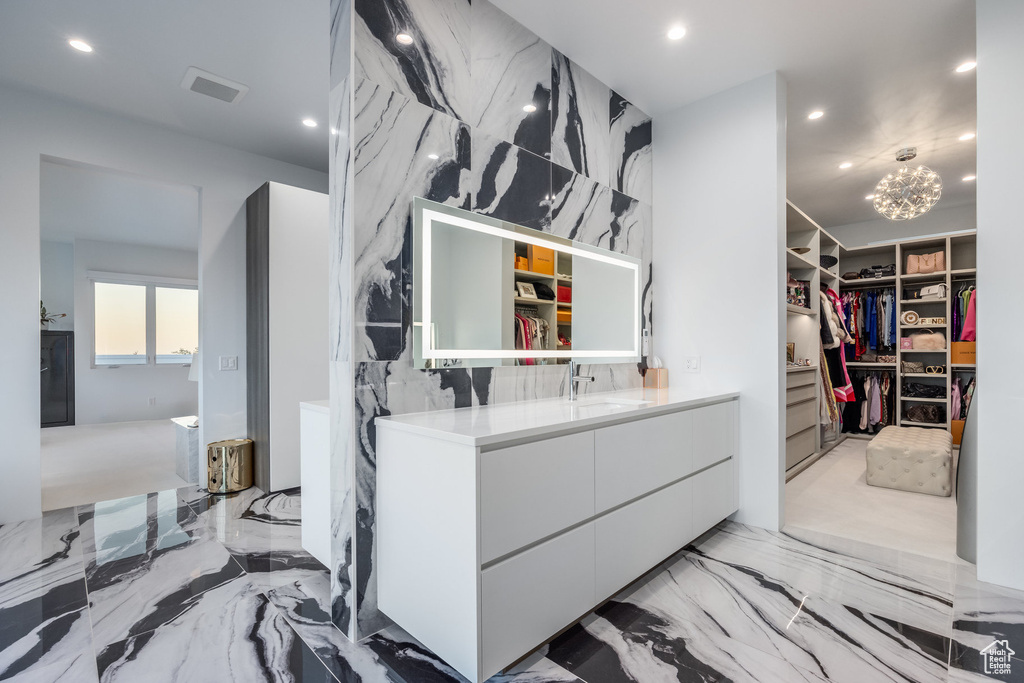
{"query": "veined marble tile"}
[(79, 668), (511, 68), (984, 613), (510, 183), (342, 474), (581, 208), (44, 622), (434, 69), (232, 633), (917, 593), (45, 540), (580, 134), (340, 178), (698, 597), (632, 155), (395, 139)]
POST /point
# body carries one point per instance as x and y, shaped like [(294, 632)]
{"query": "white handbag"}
[(933, 292)]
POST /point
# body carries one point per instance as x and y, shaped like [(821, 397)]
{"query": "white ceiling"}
[(882, 70), (89, 203), (142, 50)]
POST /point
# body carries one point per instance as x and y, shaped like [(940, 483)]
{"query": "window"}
[(144, 321)]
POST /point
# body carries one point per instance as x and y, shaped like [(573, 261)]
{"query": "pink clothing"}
[(969, 332)]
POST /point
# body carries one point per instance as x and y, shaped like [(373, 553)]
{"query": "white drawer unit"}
[(799, 446), (660, 450), (532, 491), (801, 416), (491, 541)]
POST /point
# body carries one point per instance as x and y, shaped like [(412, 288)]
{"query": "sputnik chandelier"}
[(907, 193)]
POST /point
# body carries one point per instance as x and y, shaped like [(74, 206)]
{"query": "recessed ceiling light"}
[(815, 115), (966, 66), (845, 164), (80, 45), (969, 178), (404, 39), (870, 196), (676, 32), (966, 136), (309, 123), (529, 108), (433, 156)]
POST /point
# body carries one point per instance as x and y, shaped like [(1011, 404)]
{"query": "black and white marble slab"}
[(435, 69), (581, 208), (233, 633), (511, 69), (580, 131), (982, 614), (402, 150), (40, 542), (510, 183), (632, 157)]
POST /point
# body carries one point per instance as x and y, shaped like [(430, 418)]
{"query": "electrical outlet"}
[(152, 401), (692, 364), (229, 362)]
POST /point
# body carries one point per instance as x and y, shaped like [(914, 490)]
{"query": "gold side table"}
[(229, 465)]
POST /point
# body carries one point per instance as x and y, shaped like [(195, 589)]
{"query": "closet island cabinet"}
[(499, 526)]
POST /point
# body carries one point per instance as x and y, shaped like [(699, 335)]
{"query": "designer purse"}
[(933, 292), (913, 367), (928, 341), (926, 413), (926, 263), (919, 390)]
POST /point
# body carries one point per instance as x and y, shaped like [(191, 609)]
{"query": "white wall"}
[(883, 230), (719, 230), (122, 394), (298, 320), (35, 126), (1000, 244), (56, 282)]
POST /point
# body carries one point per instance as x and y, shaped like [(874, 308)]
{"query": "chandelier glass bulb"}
[(907, 192)]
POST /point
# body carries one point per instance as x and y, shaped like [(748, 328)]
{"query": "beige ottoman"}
[(912, 459)]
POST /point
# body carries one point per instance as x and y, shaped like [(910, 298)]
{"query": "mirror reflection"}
[(489, 293)]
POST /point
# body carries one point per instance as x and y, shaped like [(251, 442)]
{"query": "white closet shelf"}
[(793, 308), (921, 374), (795, 261), (527, 300), (565, 304), (922, 327), (940, 275), (915, 399), (859, 364), (942, 351), (968, 366), (828, 273), (887, 280), (922, 301), (532, 276), (933, 425), (964, 271)]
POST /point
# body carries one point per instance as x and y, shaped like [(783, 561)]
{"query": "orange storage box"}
[(962, 353), (542, 260), (958, 430), (564, 315)]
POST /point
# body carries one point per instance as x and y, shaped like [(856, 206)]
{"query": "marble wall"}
[(443, 118)]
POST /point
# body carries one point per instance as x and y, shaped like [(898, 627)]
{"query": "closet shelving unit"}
[(548, 309), (803, 447)]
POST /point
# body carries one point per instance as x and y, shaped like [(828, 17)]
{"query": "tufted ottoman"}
[(911, 459)]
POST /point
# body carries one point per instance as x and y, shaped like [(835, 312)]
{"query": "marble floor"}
[(183, 586), (832, 496)]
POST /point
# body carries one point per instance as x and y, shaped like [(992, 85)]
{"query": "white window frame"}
[(150, 282)]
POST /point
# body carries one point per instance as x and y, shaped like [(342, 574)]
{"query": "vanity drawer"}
[(531, 491), (798, 394), (714, 496), (626, 543), (532, 596), (799, 446), (634, 458), (801, 378), (714, 433), (800, 416)]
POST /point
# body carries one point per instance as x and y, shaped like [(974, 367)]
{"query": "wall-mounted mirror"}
[(489, 293)]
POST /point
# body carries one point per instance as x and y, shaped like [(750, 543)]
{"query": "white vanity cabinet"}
[(499, 526)]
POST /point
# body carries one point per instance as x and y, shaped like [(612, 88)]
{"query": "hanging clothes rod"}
[(857, 287)]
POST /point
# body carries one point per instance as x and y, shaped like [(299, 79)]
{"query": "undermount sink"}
[(615, 402)]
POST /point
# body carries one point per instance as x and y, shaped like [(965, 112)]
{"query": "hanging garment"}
[(885, 385), (827, 397), (828, 340), (865, 407), (954, 399), (969, 332), (876, 403)]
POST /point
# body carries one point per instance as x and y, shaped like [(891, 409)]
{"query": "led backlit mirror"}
[(489, 293)]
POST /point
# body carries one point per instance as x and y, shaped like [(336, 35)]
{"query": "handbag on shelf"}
[(851, 275), (928, 341), (933, 292), (922, 264), (927, 413), (878, 271), (919, 390), (886, 359), (913, 367)]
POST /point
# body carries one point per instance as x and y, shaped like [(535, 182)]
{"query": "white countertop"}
[(318, 406), (186, 421), (492, 424)]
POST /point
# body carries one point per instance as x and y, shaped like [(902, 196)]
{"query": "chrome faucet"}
[(573, 378)]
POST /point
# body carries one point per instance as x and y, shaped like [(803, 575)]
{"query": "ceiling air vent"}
[(212, 85)]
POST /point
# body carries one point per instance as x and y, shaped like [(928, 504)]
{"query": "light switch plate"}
[(692, 364), (229, 362)]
